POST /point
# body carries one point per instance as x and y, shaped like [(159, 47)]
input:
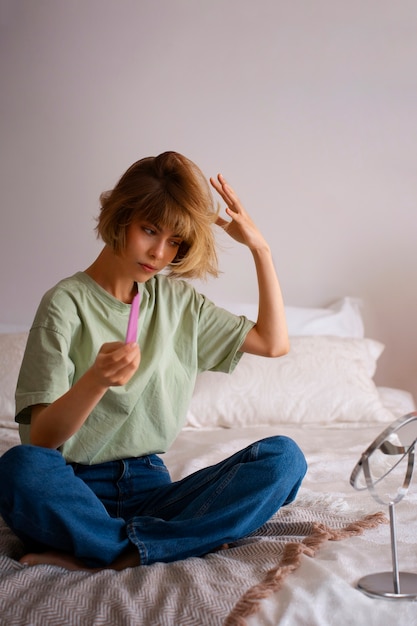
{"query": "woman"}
[(87, 489)]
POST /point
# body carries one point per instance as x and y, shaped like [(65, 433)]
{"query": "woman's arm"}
[(269, 336), (52, 425)]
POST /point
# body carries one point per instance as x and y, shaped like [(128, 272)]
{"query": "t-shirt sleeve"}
[(46, 372), (221, 335)]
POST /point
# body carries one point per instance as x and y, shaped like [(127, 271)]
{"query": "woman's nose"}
[(157, 250)]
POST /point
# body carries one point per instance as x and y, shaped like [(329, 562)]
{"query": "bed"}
[(303, 566)]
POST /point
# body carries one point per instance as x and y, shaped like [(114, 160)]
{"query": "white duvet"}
[(322, 591)]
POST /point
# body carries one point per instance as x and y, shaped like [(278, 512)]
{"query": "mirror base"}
[(381, 585)]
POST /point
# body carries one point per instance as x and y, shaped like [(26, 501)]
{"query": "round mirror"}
[(386, 468)]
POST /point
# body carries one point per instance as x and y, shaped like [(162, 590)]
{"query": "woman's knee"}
[(28, 467), (287, 456)]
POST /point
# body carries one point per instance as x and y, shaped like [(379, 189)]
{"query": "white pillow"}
[(343, 318), (12, 346), (323, 380)]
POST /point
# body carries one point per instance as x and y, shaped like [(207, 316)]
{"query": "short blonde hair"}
[(168, 191)]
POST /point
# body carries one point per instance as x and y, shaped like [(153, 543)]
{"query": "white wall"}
[(309, 108)]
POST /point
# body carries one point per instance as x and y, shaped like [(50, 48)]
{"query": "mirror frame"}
[(363, 463)]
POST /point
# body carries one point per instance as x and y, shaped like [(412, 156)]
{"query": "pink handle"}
[(132, 326)]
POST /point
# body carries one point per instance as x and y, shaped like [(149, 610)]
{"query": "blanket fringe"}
[(250, 602)]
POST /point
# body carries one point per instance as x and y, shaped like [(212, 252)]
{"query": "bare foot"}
[(129, 559), (62, 559), (224, 546)]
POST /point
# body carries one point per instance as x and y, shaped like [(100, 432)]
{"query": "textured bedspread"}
[(221, 588)]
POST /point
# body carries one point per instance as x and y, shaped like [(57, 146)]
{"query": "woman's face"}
[(149, 249)]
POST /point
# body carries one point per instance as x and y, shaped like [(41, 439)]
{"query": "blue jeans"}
[(95, 512)]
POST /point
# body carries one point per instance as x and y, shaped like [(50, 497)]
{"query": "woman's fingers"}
[(226, 192), (116, 362)]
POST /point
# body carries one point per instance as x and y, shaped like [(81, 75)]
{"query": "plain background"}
[(309, 108)]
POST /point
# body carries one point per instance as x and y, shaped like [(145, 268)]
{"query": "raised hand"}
[(269, 336), (241, 227)]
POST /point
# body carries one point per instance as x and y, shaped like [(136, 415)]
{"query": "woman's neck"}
[(106, 272)]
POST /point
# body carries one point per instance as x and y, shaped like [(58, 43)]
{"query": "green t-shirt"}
[(181, 333)]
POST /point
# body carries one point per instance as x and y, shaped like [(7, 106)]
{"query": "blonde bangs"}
[(199, 258), (173, 217)]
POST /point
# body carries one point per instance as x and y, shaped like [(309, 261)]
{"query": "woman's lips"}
[(148, 268)]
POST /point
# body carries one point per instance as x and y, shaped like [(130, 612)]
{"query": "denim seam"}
[(253, 455), (203, 509), (135, 540)]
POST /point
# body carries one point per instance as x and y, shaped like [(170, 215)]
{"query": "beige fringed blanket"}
[(222, 589)]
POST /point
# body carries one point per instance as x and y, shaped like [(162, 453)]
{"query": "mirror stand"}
[(395, 584), (396, 444)]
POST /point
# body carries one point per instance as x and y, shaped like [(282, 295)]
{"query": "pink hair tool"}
[(132, 326)]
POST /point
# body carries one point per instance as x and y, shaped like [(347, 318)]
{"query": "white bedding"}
[(324, 397), (322, 592)]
